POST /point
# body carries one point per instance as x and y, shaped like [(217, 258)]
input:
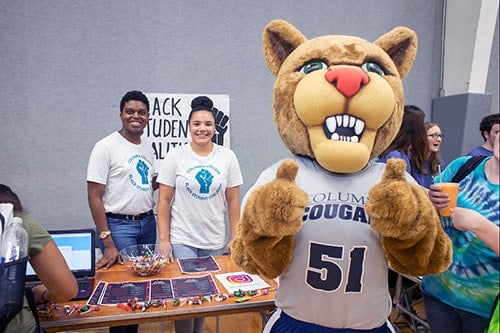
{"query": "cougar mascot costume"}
[(328, 221)]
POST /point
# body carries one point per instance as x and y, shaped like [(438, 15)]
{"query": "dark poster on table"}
[(194, 286), (122, 292), (161, 289), (112, 293), (198, 265), (96, 296)]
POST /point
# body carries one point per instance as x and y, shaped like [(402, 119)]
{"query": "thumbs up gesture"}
[(271, 217), (279, 205), (393, 203), (412, 237)]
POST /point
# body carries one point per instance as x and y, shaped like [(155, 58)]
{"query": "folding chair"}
[(404, 304)]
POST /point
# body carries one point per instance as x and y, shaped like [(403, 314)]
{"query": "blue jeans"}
[(184, 251), (444, 318), (126, 232)]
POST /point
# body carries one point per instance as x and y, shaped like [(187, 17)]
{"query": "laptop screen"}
[(78, 248)]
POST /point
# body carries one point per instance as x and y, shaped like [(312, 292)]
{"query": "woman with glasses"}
[(435, 138)]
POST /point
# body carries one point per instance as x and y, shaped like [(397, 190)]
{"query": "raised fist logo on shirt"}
[(143, 170), (204, 178)]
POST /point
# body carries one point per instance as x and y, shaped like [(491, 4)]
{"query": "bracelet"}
[(43, 296)]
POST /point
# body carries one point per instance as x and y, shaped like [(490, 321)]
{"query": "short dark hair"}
[(134, 95), (488, 122)]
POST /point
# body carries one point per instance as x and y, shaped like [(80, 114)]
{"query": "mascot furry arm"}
[(338, 100), (413, 239), (266, 248)]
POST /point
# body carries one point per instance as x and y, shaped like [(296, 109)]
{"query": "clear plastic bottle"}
[(14, 241), (13, 259), (6, 214)]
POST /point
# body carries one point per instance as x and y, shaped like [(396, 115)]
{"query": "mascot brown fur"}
[(328, 221)]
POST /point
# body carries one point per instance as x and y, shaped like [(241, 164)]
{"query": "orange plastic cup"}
[(452, 190)]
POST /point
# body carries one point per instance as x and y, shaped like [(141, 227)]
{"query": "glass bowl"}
[(143, 260)]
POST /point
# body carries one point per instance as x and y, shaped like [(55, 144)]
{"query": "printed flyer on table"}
[(112, 293)]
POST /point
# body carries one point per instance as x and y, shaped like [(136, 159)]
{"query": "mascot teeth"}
[(344, 128)]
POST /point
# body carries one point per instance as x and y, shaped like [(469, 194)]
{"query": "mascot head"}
[(337, 99)]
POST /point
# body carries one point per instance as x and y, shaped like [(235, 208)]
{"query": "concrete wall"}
[(470, 74), (66, 64), (459, 116)]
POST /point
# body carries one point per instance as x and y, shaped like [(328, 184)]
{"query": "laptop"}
[(78, 248)]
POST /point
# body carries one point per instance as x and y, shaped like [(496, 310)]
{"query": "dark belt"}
[(137, 217)]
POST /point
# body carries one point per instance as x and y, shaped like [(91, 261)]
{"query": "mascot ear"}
[(279, 39), (401, 45)]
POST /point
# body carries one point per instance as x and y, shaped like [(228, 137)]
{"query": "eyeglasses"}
[(435, 135)]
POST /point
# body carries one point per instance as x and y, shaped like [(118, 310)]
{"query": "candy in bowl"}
[(144, 259)]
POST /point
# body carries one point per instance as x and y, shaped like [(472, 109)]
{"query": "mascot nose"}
[(348, 80)]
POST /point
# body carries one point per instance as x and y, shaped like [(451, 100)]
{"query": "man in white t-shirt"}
[(120, 182)]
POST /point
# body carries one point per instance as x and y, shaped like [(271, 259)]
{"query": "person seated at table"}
[(58, 282)]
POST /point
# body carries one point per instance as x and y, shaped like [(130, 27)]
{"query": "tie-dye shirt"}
[(471, 283)]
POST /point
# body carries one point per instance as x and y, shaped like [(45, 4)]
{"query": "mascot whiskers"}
[(328, 221)]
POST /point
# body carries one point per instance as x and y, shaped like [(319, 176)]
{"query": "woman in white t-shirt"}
[(199, 184)]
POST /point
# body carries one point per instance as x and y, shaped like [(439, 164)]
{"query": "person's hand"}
[(464, 219), (109, 257), (40, 294), (229, 245), (165, 249), (439, 199)]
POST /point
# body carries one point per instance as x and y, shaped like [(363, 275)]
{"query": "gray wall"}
[(65, 65), (459, 115)]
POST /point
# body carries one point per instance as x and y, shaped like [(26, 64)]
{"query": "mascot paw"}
[(276, 208), (393, 204), (272, 215), (412, 237), (241, 257)]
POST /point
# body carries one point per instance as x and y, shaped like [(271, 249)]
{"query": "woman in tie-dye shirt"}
[(461, 299)]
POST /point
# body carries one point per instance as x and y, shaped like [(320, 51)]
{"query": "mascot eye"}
[(373, 67), (313, 66)]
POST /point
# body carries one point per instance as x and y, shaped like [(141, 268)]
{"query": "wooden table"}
[(114, 316)]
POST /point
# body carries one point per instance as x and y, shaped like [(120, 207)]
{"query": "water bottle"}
[(13, 259), (6, 214), (14, 241)]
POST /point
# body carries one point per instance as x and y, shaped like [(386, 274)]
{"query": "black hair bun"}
[(201, 103)]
